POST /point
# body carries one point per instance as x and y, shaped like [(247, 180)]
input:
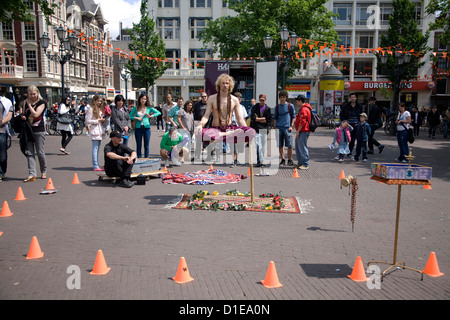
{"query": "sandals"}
[(64, 152), (44, 176), (30, 179)]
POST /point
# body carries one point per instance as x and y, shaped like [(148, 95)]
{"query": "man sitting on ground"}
[(119, 159)]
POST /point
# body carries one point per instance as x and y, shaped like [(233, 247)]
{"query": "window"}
[(31, 59), (362, 15), (197, 26), (29, 32), (7, 31), (363, 68), (198, 58), (168, 3), (364, 39), (7, 57), (441, 86), (169, 29), (344, 38), (343, 66), (173, 59), (385, 13), (200, 3), (344, 10)]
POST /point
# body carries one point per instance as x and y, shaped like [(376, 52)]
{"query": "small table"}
[(398, 182)]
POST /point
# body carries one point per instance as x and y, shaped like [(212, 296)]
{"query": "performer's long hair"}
[(219, 80)]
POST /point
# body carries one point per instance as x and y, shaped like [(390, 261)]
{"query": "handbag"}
[(410, 133), (65, 118)]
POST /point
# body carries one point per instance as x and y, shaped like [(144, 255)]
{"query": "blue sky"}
[(115, 11)]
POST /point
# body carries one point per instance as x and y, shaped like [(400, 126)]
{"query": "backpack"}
[(315, 121)]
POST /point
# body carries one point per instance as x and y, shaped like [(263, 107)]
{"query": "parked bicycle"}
[(50, 125), (389, 126), (78, 125)]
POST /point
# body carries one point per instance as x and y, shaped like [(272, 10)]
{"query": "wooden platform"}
[(102, 175)]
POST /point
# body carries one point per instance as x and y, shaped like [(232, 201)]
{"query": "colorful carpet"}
[(202, 177), (238, 203)]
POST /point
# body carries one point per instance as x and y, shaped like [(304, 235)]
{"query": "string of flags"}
[(313, 48)]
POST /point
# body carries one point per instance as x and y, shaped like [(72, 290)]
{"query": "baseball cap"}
[(363, 114), (262, 96), (115, 134)]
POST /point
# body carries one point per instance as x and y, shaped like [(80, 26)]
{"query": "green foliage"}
[(243, 35), (146, 43), (403, 34), (18, 10), (441, 8)]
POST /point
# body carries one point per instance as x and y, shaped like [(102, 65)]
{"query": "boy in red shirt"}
[(302, 127)]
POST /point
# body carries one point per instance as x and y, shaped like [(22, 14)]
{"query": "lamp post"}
[(400, 61), (125, 74), (67, 45), (288, 46)]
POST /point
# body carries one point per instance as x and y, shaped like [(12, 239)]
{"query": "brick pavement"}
[(227, 253)]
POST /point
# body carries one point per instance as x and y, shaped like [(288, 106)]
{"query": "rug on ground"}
[(238, 201), (202, 177)]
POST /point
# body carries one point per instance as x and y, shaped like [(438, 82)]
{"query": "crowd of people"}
[(219, 120)]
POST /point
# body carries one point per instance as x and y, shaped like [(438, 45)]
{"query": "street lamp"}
[(67, 45), (289, 44), (125, 74)]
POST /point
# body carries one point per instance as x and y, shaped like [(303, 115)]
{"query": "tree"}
[(403, 38), (441, 8), (149, 50), (243, 34), (11, 10)]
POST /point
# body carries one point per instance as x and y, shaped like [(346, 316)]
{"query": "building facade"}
[(23, 62), (360, 24), (178, 23)]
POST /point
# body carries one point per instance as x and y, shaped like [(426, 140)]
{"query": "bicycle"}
[(50, 125), (390, 128), (78, 125)]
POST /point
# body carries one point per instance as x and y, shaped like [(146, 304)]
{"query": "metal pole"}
[(62, 78), (399, 194)]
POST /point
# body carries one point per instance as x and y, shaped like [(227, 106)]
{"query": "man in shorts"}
[(284, 121)]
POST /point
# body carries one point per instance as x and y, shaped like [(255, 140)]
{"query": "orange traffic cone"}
[(295, 175), (342, 175), (6, 211), (20, 196), (35, 251), (182, 275), (211, 167), (432, 267), (427, 186), (1, 233), (249, 172), (50, 185), (165, 169), (75, 179), (358, 273), (100, 267), (271, 279)]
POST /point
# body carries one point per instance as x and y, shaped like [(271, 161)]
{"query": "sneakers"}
[(125, 183), (341, 160), (303, 167), (290, 163), (234, 164), (380, 148), (283, 162)]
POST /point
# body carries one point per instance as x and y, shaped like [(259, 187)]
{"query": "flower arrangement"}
[(197, 201)]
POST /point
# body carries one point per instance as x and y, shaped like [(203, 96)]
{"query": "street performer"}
[(222, 104)]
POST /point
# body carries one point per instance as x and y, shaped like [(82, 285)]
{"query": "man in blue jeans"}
[(302, 127), (6, 111), (284, 121)]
